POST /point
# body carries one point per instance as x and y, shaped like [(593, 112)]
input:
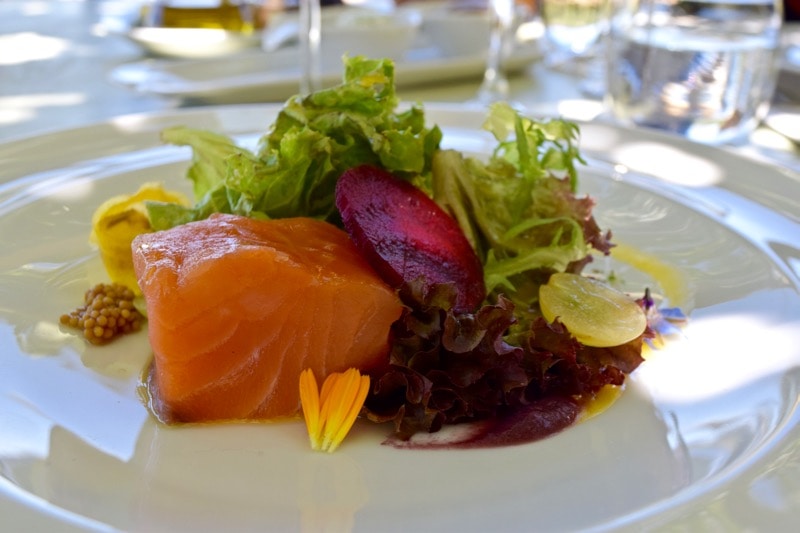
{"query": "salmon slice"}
[(238, 307)]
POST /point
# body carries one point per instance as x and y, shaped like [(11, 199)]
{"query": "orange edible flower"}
[(330, 414)]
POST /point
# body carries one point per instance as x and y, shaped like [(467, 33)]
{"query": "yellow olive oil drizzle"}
[(601, 401), (669, 278), (672, 285)]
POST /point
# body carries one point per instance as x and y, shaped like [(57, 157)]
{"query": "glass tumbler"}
[(704, 69)]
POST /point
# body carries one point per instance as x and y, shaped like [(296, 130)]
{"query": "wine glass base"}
[(493, 90), (589, 70)]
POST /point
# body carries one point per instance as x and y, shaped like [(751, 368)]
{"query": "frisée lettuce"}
[(519, 210)]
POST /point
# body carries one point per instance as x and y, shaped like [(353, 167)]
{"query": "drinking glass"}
[(310, 36), (501, 19), (704, 69)]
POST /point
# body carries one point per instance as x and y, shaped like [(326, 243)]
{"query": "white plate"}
[(706, 435), (192, 42), (346, 25), (252, 77), (785, 120)]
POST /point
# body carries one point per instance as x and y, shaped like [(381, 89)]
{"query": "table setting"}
[(688, 121)]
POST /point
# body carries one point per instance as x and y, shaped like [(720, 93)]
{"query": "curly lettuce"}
[(519, 209), (448, 368), (314, 139)]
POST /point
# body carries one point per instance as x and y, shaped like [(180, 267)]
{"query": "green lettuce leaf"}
[(314, 139), (519, 209)]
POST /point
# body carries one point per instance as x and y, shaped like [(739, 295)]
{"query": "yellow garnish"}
[(656, 343), (604, 399), (671, 279), (117, 221), (329, 415)]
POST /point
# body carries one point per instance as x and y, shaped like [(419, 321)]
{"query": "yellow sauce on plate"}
[(673, 286)]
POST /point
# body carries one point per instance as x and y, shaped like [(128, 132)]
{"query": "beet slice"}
[(405, 235)]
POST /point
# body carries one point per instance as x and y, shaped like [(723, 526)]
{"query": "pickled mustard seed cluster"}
[(107, 313)]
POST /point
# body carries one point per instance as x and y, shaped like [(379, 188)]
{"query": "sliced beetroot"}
[(405, 235)]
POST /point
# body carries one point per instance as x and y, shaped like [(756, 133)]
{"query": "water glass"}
[(310, 37), (501, 20), (705, 69)]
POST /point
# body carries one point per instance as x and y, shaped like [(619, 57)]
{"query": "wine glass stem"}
[(310, 36), (495, 84)]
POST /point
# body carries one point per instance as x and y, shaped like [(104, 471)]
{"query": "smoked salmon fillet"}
[(238, 307)]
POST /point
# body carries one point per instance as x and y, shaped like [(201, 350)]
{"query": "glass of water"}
[(495, 84), (704, 69), (310, 37)]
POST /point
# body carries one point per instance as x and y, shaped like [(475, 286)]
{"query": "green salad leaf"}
[(519, 209), (314, 139)]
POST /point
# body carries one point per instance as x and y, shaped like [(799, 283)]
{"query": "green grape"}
[(595, 313)]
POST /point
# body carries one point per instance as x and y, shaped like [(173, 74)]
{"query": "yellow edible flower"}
[(117, 221), (329, 415)]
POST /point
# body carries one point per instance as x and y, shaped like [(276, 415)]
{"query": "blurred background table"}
[(56, 57)]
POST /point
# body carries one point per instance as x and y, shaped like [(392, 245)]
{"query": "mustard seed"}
[(107, 313)]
